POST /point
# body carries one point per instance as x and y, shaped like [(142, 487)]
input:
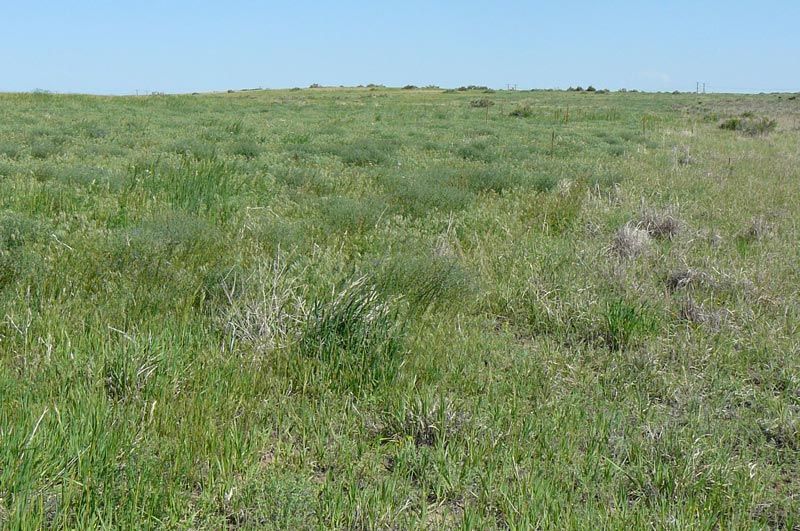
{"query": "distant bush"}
[(591, 89), (750, 125), (410, 87), (481, 103), (523, 111), (472, 87)]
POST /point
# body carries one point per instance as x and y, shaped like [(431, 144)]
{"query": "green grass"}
[(383, 308)]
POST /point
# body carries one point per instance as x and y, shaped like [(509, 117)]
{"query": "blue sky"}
[(118, 47)]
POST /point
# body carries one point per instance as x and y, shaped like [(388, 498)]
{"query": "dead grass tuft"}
[(269, 311), (660, 224), (630, 241), (693, 312), (689, 278), (424, 421), (759, 229)]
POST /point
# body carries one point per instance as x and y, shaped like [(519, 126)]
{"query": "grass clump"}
[(479, 150), (522, 111), (425, 191), (200, 187), (17, 230), (426, 281), (630, 241), (351, 215), (660, 225), (265, 309), (246, 148), (423, 420), (481, 103), (487, 180), (356, 335), (625, 323), (365, 152), (750, 125), (9, 150), (557, 213), (194, 149), (45, 148)]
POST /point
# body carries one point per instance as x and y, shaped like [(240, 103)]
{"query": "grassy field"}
[(374, 308)]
